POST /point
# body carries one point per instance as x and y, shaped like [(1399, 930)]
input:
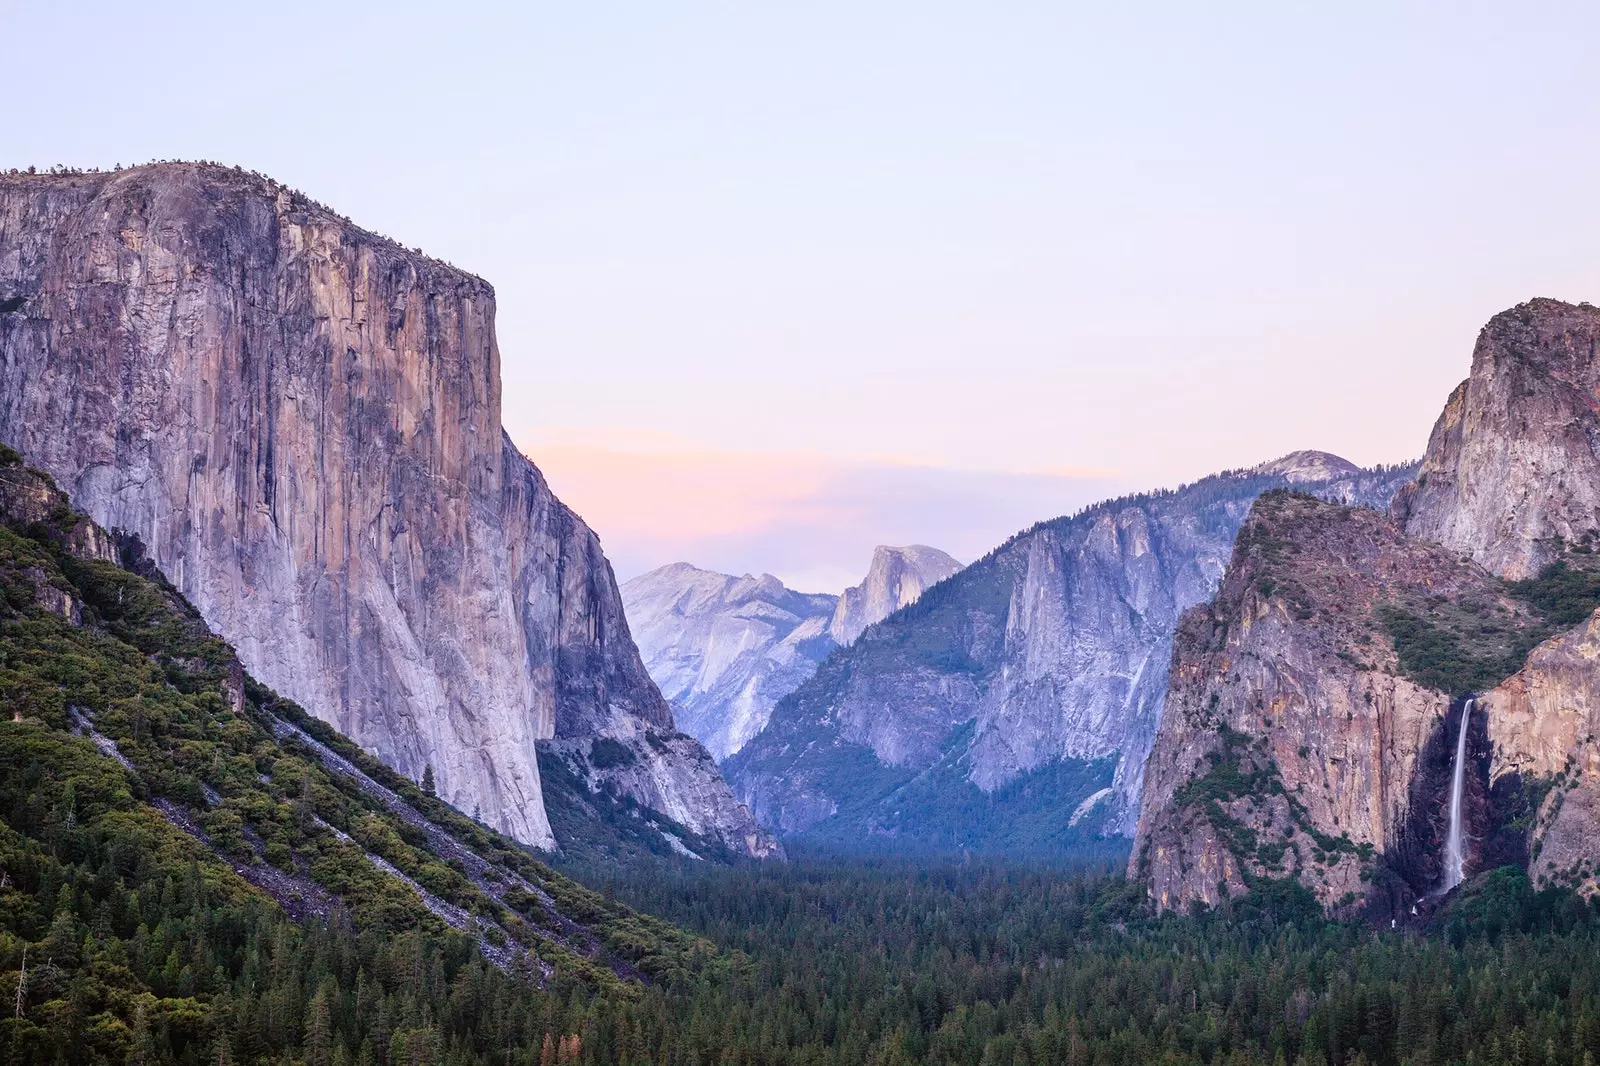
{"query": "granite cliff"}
[(300, 421), (1512, 470), (1543, 725), (724, 649), (1299, 740), (1317, 702), (895, 579), (1013, 705)]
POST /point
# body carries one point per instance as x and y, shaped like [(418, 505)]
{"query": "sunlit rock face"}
[(1544, 733), (301, 421), (1292, 744), (896, 578), (1053, 649), (1261, 683), (1512, 470), (725, 649), (1512, 478)]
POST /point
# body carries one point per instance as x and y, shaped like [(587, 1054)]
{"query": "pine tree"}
[(319, 1032), (427, 779)]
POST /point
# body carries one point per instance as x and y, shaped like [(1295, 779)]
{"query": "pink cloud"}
[(811, 520)]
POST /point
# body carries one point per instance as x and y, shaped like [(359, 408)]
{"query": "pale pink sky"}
[(744, 252), (809, 518)]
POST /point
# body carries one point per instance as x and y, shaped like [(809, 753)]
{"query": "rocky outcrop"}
[(1048, 653), (1543, 728), (895, 579), (1509, 489), (301, 422), (724, 649), (1315, 468), (1294, 744), (1512, 470)]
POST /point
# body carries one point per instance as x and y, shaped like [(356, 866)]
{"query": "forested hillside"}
[(192, 869)]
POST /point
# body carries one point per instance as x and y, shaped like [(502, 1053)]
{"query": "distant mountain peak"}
[(1308, 465), (725, 649), (896, 578)]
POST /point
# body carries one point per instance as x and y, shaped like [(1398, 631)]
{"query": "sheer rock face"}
[(1544, 727), (1513, 466), (1290, 745), (725, 649), (301, 421), (895, 579), (1510, 480), (1053, 647)]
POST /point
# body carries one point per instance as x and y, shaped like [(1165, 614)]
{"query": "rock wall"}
[(1293, 744), (1053, 648), (1510, 483), (1512, 469), (301, 421), (1544, 731), (896, 577), (725, 649)]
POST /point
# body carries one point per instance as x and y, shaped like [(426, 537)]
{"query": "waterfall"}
[(1454, 859)]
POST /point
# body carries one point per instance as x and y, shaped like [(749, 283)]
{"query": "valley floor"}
[(892, 962)]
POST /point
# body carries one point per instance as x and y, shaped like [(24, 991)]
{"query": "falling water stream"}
[(1454, 859)]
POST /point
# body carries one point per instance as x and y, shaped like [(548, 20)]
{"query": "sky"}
[(779, 282)]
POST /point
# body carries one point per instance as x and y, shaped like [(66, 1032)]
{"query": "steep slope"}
[(895, 579), (1512, 477), (301, 422), (1434, 642), (1298, 740), (725, 649), (1543, 726), (167, 821), (1512, 470), (1014, 703)]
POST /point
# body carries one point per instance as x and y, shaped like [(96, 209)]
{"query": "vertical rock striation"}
[(1030, 681), (1292, 740), (301, 422), (895, 579), (725, 649), (1512, 470)]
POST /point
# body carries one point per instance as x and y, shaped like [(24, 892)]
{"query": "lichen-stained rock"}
[(1512, 468), (1292, 745), (300, 421), (1544, 727)]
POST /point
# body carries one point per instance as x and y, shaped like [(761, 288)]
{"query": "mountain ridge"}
[(301, 422), (724, 649), (184, 810), (1354, 697), (1049, 651)]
